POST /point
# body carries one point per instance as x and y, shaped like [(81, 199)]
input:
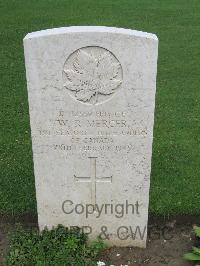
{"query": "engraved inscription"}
[(82, 124), (92, 74), (93, 179)]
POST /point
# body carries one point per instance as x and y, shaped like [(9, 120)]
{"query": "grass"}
[(175, 185), (58, 246)]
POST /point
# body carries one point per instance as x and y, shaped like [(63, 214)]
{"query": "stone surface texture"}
[(91, 94)]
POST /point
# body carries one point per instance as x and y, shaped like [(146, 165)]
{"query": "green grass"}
[(58, 246), (175, 183)]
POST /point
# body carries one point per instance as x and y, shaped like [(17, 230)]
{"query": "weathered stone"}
[(91, 97)]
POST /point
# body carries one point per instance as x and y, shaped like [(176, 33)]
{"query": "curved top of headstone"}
[(100, 29)]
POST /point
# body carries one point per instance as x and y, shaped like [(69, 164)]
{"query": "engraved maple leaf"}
[(92, 75)]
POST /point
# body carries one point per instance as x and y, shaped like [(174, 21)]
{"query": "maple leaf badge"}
[(92, 75)]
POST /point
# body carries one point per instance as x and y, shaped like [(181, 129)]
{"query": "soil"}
[(158, 252), (167, 242)]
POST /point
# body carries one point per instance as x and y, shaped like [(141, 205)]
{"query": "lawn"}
[(175, 178)]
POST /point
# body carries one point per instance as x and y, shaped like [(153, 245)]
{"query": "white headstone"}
[(91, 97)]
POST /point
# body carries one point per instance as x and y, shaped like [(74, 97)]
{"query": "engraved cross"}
[(93, 179)]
